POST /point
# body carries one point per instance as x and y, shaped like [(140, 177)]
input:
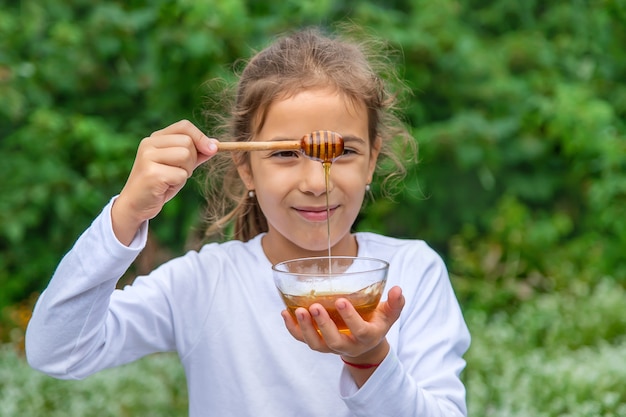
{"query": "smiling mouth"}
[(316, 214)]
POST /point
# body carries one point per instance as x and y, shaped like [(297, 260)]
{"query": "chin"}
[(317, 248)]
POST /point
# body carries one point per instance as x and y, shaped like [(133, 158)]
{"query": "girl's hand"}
[(366, 343), (164, 162)]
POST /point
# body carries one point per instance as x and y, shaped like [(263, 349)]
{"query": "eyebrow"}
[(346, 139), (351, 138)]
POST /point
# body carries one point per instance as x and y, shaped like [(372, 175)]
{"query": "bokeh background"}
[(519, 110)]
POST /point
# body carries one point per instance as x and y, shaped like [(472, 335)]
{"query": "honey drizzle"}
[(326, 165), (325, 146)]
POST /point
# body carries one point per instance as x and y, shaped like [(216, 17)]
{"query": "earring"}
[(251, 194), (367, 188)]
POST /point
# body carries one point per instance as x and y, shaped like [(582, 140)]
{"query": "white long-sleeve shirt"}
[(219, 310)]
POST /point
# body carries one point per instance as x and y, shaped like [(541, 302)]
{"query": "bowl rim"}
[(383, 265)]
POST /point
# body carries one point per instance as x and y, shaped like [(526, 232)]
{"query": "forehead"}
[(309, 110)]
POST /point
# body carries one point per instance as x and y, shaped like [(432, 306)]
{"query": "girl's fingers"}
[(316, 328), (164, 162), (359, 328), (364, 335), (175, 153), (309, 332), (395, 299), (292, 325), (324, 323), (204, 146), (303, 325), (391, 309)]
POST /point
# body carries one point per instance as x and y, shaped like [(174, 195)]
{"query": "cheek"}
[(275, 180), (271, 189), (349, 178)]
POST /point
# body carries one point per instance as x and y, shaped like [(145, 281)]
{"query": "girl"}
[(218, 307)]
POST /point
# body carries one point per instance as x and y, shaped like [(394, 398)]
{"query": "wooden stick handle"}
[(259, 146)]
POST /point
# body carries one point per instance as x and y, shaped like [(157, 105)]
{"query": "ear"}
[(375, 151), (245, 173)]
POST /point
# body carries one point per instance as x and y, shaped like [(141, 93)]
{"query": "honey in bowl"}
[(323, 280), (364, 302)]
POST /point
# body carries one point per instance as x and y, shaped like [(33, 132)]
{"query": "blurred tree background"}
[(518, 107)]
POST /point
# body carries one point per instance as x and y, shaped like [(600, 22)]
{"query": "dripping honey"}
[(326, 165)]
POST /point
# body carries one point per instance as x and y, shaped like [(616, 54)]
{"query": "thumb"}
[(395, 304), (207, 148)]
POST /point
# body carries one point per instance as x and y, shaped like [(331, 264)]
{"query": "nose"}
[(313, 177)]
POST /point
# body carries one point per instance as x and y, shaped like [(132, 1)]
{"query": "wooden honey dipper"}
[(321, 145)]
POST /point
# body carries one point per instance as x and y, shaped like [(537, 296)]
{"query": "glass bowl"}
[(305, 281)]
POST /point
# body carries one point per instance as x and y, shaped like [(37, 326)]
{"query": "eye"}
[(285, 154), (349, 152)]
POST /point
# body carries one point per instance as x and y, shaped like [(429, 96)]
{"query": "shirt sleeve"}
[(67, 333), (421, 374)]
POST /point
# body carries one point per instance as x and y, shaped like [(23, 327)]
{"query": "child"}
[(218, 307)]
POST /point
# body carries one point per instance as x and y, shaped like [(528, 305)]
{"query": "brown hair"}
[(305, 59)]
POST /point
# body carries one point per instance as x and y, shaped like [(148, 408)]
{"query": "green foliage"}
[(558, 355), (50, 170), (153, 387)]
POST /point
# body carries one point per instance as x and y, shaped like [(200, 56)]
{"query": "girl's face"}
[(290, 187)]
